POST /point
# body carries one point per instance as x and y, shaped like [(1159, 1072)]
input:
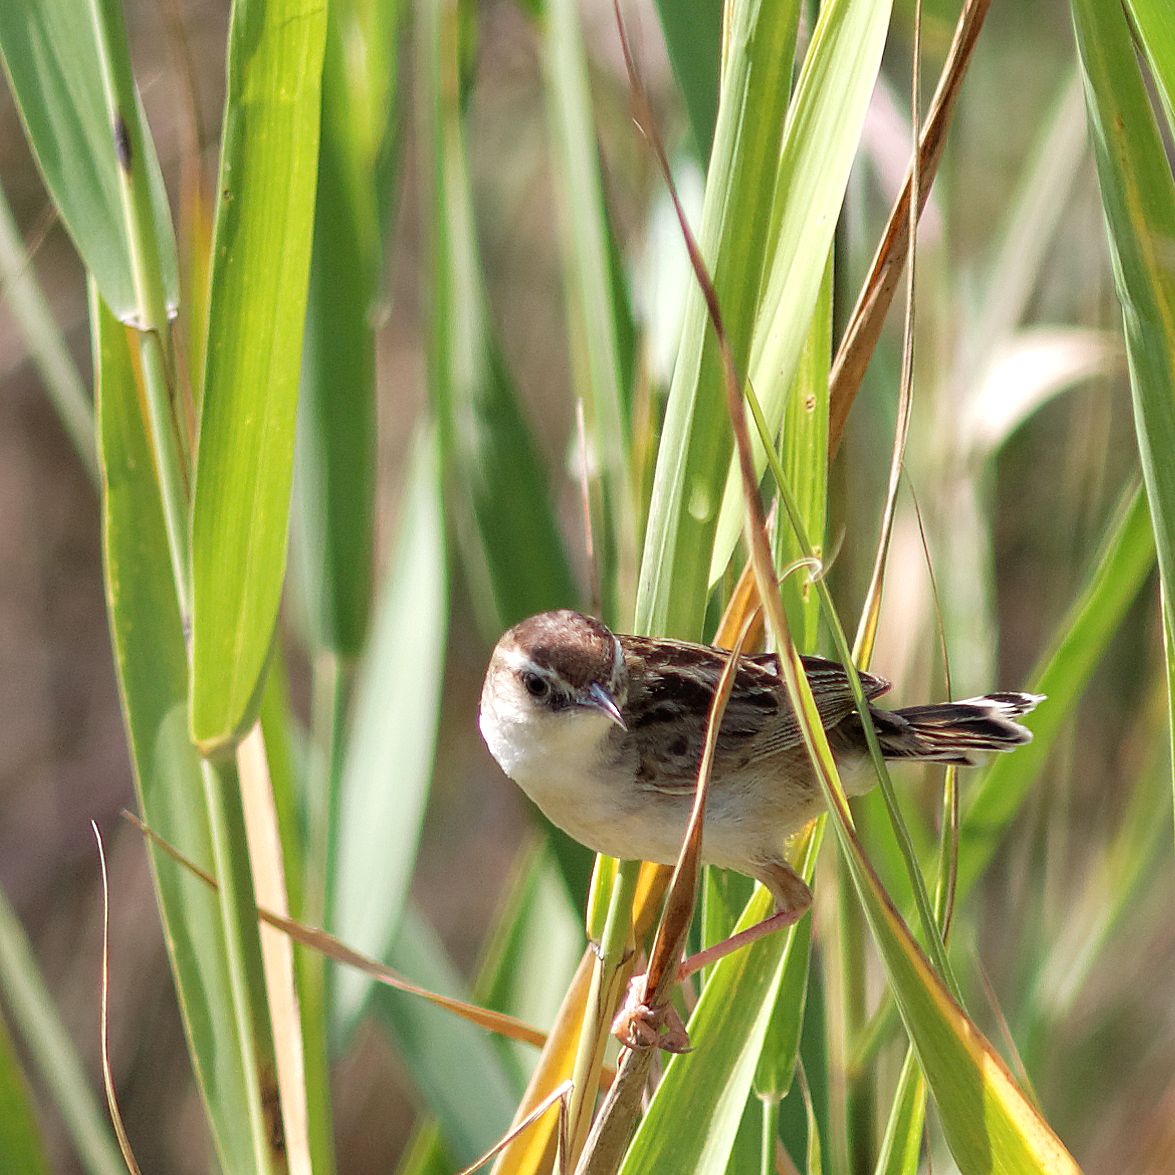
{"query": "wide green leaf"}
[(594, 300), (53, 61), (1116, 576), (335, 476), (389, 755), (497, 491), (148, 639), (455, 1066), (902, 1141), (1138, 195), (824, 126), (692, 1122), (693, 38), (696, 440), (1156, 33), (261, 258)]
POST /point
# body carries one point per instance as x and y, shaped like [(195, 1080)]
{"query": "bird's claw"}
[(640, 1026)]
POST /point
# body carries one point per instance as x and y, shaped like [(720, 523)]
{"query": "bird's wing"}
[(670, 682), (834, 702)]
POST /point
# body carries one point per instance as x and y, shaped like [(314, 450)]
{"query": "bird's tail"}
[(956, 732)]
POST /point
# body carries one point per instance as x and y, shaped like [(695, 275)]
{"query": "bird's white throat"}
[(563, 761), (546, 753)]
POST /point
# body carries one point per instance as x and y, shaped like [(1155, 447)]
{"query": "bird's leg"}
[(638, 1025), (792, 899)]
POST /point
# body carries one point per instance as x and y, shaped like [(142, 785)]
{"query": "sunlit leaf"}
[(695, 444), (152, 671), (51, 55), (261, 258)]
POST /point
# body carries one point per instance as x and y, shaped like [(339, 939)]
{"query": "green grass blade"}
[(531, 955), (781, 1047), (147, 634), (426, 1154), (592, 296), (261, 256), (534, 949), (1138, 195), (389, 754), (804, 457), (902, 1142), (989, 1124), (509, 543), (335, 478), (1156, 33), (20, 1141), (1118, 573), (820, 143), (694, 1117), (52, 58), (693, 37), (455, 1066), (805, 462), (52, 1053), (46, 345), (696, 440), (150, 265)]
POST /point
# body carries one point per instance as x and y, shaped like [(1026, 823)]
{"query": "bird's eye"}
[(536, 685)]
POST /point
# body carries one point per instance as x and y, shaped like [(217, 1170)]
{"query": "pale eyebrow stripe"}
[(516, 659)]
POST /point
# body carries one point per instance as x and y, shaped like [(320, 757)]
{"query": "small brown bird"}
[(605, 734)]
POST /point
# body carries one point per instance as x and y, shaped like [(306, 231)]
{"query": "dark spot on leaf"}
[(122, 142)]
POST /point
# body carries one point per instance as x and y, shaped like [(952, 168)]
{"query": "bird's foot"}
[(641, 1026)]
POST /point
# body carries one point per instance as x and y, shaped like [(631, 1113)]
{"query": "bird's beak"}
[(603, 701)]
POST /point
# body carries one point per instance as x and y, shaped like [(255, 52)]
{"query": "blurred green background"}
[(1022, 448)]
